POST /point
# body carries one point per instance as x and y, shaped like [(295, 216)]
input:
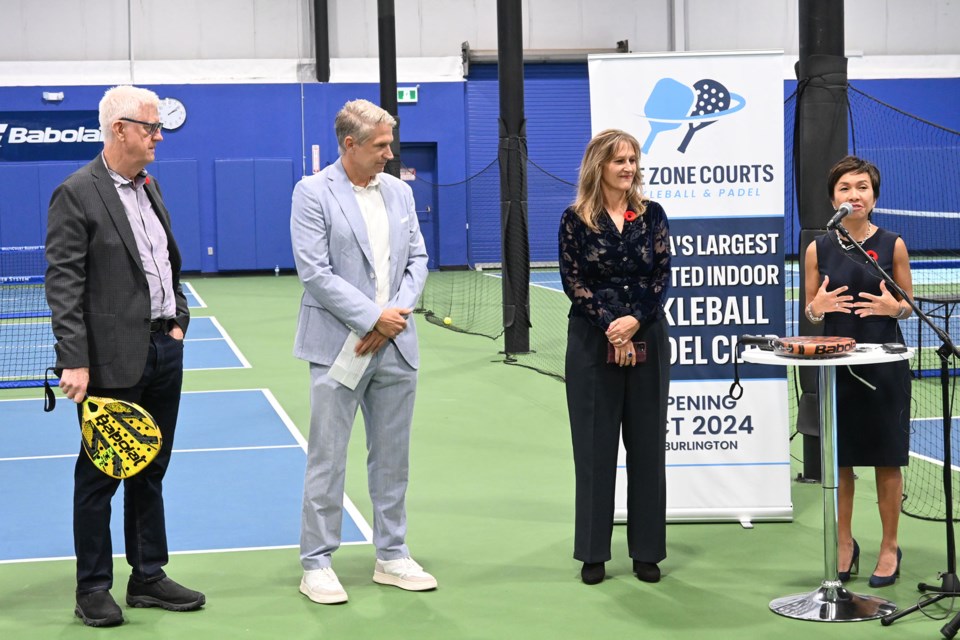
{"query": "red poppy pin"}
[(629, 215), (873, 254), (147, 180)]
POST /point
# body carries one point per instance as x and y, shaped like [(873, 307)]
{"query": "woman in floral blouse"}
[(615, 268)]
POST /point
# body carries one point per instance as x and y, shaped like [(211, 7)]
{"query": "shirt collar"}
[(373, 184), (120, 181)]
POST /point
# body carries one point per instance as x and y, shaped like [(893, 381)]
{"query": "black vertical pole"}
[(512, 156), (321, 40), (387, 35), (820, 140)]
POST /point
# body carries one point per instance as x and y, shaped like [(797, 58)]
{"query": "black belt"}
[(159, 325)]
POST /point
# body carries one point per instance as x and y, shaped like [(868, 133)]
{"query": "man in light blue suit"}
[(363, 263)]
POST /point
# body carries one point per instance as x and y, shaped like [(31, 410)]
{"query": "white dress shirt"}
[(374, 213)]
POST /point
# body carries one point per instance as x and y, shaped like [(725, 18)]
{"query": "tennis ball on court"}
[(448, 321)]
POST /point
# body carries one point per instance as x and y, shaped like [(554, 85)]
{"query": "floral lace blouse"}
[(609, 274)]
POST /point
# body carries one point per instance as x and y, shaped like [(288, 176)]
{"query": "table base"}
[(832, 603)]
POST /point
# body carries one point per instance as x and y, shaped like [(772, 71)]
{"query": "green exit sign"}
[(407, 94)]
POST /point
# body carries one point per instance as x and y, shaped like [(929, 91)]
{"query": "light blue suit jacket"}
[(335, 263)]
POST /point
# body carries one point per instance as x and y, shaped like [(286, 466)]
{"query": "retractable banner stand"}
[(711, 130)]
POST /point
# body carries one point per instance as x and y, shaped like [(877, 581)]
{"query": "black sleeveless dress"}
[(873, 425)]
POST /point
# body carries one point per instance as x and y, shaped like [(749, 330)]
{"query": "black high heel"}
[(886, 581), (854, 564)]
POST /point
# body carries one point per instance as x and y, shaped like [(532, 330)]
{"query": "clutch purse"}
[(639, 346)]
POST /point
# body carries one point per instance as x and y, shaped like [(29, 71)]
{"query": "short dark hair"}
[(853, 164)]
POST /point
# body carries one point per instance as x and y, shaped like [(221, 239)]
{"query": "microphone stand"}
[(949, 582)]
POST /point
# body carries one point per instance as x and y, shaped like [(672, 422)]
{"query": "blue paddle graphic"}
[(669, 100)]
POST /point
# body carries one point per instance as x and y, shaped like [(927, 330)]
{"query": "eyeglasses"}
[(152, 127)]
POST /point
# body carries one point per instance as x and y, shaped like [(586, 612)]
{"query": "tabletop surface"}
[(865, 353)]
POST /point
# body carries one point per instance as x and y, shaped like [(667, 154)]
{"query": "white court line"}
[(208, 450), (365, 530), (231, 344), (918, 214), (932, 461), (193, 292), (172, 553), (532, 284)]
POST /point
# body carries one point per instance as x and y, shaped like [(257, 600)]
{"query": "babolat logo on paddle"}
[(673, 104), (46, 135)]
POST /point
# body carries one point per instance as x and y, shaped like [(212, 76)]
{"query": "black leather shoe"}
[(98, 609), (646, 571), (163, 593), (592, 572)]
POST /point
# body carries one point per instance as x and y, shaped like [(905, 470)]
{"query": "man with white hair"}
[(363, 263), (119, 316)]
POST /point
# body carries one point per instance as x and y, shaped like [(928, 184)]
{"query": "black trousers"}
[(145, 534), (606, 401)]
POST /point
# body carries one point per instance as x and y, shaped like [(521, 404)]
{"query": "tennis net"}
[(26, 339)]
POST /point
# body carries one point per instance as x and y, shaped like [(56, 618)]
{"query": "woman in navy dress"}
[(873, 402), (615, 268)]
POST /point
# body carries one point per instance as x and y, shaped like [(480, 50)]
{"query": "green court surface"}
[(490, 509)]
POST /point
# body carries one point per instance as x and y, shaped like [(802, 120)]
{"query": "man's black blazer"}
[(95, 283)]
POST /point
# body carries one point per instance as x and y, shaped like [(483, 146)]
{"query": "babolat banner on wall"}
[(30, 136), (711, 131)]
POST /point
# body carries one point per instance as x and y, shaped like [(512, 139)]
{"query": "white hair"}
[(124, 101), (358, 119)]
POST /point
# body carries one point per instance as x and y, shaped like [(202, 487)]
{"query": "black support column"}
[(387, 36), (512, 155), (820, 140)]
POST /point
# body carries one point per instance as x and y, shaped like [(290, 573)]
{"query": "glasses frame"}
[(152, 127)]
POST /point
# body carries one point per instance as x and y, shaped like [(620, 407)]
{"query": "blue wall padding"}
[(228, 172), (236, 214), (179, 182)]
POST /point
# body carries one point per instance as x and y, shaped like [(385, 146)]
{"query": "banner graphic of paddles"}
[(672, 104), (120, 438)]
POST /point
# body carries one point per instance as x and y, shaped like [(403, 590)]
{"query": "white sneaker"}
[(322, 586), (404, 573)]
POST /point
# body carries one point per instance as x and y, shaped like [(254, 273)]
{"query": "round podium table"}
[(831, 602)]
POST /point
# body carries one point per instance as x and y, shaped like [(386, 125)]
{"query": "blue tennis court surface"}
[(207, 346), (235, 480), (926, 440)]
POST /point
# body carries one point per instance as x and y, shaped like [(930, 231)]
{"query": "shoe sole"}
[(144, 602), (319, 598), (98, 622), (406, 585)]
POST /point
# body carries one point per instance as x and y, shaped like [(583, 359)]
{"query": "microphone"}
[(845, 209)]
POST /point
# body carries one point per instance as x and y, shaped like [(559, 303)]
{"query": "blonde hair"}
[(123, 101), (358, 119), (601, 150)]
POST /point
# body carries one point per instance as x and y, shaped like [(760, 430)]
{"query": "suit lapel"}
[(108, 193), (393, 202), (342, 190)]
